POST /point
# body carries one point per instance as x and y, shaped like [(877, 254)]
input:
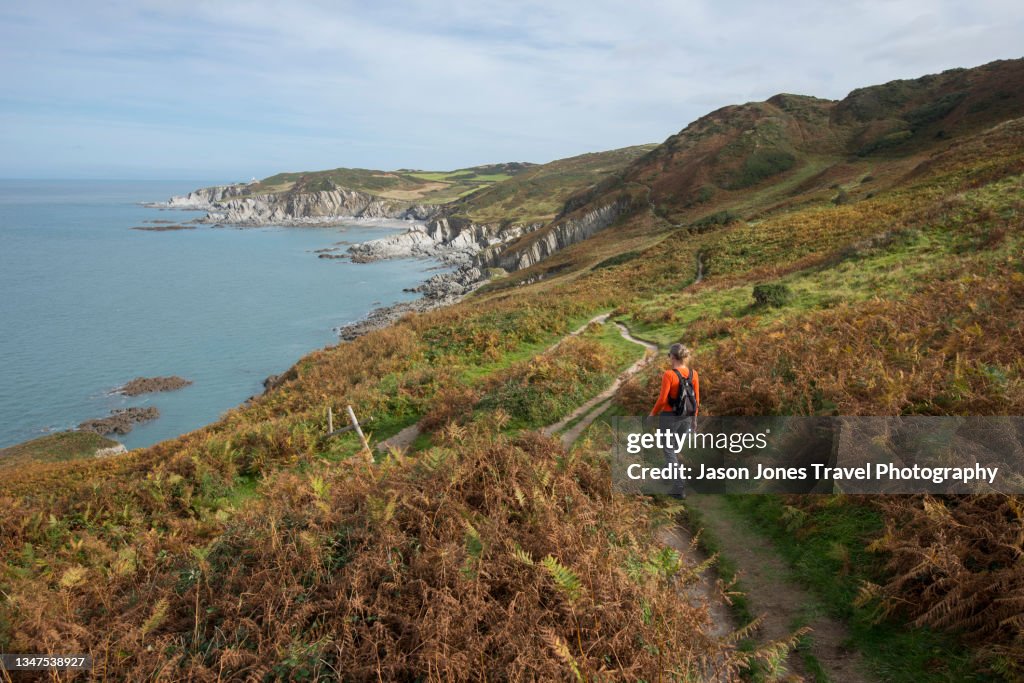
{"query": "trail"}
[(704, 590), (595, 406), (771, 592)]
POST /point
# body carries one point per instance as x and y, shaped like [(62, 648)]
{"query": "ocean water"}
[(87, 303)]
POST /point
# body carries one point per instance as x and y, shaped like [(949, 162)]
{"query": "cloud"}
[(256, 85)]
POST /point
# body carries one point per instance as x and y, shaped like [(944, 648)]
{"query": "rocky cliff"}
[(235, 204), (453, 239), (565, 232), (202, 199)]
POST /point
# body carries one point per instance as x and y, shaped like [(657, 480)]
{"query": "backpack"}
[(685, 404)]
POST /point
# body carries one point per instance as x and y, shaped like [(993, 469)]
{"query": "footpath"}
[(782, 605)]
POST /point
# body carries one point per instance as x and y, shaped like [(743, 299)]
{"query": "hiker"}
[(678, 403)]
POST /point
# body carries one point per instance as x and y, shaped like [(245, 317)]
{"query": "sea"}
[(87, 303)]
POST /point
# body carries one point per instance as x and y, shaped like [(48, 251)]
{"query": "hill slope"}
[(262, 547), (752, 159)]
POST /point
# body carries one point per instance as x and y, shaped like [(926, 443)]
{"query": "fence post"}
[(355, 423)]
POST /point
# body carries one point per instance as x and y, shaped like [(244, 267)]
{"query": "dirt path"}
[(595, 406), (705, 590), (772, 593)]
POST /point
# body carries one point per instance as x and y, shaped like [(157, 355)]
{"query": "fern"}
[(565, 579), (561, 649), (474, 551), (156, 617), (522, 556)]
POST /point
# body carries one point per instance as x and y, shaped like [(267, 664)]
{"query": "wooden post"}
[(355, 423), (330, 420)]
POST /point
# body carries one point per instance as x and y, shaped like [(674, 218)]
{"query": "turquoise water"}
[(86, 304)]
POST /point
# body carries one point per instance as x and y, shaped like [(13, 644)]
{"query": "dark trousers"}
[(679, 425)]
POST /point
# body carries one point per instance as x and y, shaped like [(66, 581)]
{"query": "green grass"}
[(533, 403), (476, 372), (432, 175), (55, 448), (540, 192), (884, 271), (413, 187)]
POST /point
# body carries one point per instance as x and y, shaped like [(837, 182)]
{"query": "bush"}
[(715, 219), (617, 259), (701, 196), (885, 142), (932, 112), (760, 165), (771, 294)]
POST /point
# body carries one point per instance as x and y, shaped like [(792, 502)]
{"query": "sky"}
[(231, 90)]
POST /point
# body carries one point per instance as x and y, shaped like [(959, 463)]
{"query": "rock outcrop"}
[(145, 385), (120, 421), (568, 231), (452, 239), (237, 205), (107, 452), (202, 199), (440, 290)]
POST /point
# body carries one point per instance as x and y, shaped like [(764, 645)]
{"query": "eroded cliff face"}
[(231, 204), (202, 199), (453, 239), (562, 234)]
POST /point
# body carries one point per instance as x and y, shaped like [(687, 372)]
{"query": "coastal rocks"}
[(120, 421), (145, 385), (163, 228), (446, 286), (235, 204), (202, 199), (440, 290), (107, 452), (451, 239)]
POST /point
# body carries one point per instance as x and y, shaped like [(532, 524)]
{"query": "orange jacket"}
[(670, 387)]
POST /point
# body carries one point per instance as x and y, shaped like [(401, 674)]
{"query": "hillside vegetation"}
[(517, 191), (260, 548)]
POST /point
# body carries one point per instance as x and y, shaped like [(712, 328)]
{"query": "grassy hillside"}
[(424, 187), (752, 160), (518, 192), (258, 547), (54, 448), (539, 193)]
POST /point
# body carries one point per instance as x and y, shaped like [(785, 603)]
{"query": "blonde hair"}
[(679, 351)]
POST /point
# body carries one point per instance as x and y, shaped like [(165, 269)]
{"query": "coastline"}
[(443, 289), (416, 240), (352, 300)]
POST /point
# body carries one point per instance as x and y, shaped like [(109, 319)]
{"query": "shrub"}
[(932, 112), (772, 294), (715, 219), (617, 259), (760, 165), (701, 196), (885, 142)]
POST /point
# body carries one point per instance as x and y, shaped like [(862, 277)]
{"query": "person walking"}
[(678, 404)]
